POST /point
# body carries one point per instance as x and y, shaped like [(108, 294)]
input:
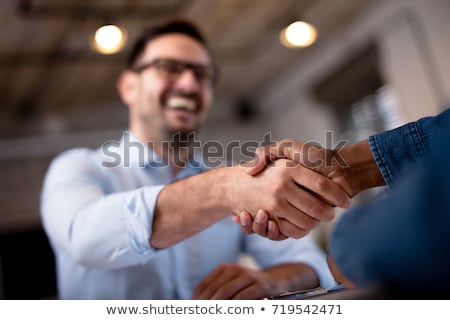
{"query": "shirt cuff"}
[(140, 209), (396, 150)]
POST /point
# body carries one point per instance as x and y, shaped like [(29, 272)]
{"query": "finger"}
[(246, 222), (232, 287), (263, 157), (292, 222), (286, 148), (273, 231), (226, 280), (314, 208), (295, 210), (259, 161), (260, 223), (206, 287), (290, 230), (322, 186), (252, 292)]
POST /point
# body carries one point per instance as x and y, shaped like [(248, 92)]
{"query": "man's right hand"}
[(352, 167), (297, 198)]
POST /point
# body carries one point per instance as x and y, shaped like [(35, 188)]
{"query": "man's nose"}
[(187, 80)]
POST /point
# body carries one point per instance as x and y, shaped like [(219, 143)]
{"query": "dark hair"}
[(175, 26)]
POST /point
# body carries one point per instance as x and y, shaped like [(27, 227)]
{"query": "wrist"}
[(361, 170), (230, 186)]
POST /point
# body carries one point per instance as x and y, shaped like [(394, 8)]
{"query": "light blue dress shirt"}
[(97, 209)]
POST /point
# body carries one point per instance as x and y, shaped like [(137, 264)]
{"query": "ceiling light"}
[(298, 34), (109, 39)]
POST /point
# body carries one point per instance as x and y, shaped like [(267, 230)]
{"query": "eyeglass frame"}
[(212, 70)]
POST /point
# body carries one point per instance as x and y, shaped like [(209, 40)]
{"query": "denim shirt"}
[(404, 148), (402, 240)]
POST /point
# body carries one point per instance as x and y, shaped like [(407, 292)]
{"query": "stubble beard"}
[(180, 138)]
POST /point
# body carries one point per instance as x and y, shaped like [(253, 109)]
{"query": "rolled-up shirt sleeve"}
[(96, 228), (140, 207)]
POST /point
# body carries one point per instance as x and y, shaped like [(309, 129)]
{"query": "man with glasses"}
[(159, 226)]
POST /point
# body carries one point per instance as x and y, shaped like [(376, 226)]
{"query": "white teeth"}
[(181, 103)]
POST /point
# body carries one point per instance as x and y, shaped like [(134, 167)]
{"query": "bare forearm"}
[(190, 205), (362, 171), (293, 276)]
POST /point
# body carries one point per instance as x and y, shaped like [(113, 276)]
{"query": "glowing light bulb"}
[(298, 34), (109, 39)]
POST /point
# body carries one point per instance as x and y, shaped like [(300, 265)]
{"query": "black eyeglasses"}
[(172, 69)]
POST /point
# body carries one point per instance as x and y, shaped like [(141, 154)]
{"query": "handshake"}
[(285, 192), (297, 185)]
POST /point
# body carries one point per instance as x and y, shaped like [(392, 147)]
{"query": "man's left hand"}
[(233, 281)]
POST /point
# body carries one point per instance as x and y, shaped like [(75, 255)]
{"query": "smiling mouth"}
[(182, 104)]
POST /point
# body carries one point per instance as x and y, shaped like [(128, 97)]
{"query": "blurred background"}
[(373, 66)]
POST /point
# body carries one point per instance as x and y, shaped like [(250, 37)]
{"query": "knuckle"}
[(320, 210), (316, 211), (310, 224), (321, 184)]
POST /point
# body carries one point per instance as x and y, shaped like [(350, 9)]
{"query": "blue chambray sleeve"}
[(398, 150), (96, 229), (401, 240)]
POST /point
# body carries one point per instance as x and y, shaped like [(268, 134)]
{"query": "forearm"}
[(188, 206), (360, 168), (291, 277)]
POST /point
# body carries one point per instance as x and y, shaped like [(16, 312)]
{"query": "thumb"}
[(258, 163)]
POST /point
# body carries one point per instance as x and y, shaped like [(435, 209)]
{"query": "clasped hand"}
[(308, 183)]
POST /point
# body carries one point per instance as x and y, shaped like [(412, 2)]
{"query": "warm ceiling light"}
[(298, 34), (109, 39)]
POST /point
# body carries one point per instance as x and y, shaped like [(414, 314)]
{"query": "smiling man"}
[(160, 227)]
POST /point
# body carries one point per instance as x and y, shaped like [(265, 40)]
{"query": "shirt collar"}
[(135, 153)]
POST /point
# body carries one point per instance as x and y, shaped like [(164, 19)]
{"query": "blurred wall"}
[(412, 43)]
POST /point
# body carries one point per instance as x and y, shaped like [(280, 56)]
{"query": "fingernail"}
[(260, 217), (244, 220), (271, 226)]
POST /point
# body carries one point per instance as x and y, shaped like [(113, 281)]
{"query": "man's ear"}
[(127, 87)]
